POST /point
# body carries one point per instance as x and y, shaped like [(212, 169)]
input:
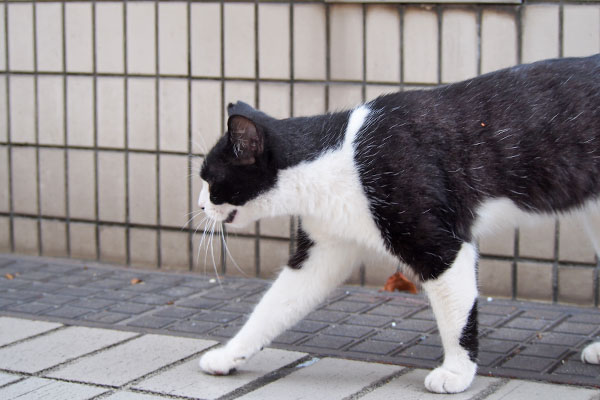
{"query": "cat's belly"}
[(499, 213)]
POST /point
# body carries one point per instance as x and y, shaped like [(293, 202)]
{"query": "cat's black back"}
[(429, 159)]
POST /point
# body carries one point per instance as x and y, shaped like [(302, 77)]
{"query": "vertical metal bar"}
[(36, 124), (157, 143), (291, 110), (95, 133), (190, 138), (65, 130), (440, 16), (401, 41), (479, 18), (126, 139), (11, 209), (257, 261)]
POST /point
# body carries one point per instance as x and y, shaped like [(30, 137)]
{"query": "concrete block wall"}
[(107, 107)]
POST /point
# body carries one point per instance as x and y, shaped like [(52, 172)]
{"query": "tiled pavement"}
[(150, 335)]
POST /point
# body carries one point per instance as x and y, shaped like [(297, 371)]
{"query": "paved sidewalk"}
[(121, 333)]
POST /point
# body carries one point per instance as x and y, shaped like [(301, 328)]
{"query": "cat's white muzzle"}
[(225, 213)]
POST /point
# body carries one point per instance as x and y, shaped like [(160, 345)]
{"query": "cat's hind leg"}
[(591, 353), (295, 293), (453, 298)]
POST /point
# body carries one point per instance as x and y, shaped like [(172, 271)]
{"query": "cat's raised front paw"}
[(445, 380), (591, 353), (220, 362)]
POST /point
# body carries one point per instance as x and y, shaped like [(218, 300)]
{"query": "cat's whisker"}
[(193, 214), (212, 254), (224, 242)]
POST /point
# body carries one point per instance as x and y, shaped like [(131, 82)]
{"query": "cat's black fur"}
[(429, 158)]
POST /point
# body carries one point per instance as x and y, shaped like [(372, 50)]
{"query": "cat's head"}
[(239, 168)]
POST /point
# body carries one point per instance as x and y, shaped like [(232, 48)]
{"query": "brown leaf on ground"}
[(9, 276), (400, 283), (136, 281)]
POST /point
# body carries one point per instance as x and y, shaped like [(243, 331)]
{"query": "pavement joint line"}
[(379, 383), (42, 373), (21, 378), (268, 378), (490, 389), (35, 336), (166, 367)]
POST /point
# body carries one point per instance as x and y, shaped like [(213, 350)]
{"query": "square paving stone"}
[(545, 350), (39, 275), (68, 312), (14, 329), (547, 315), (497, 346), (144, 287), (396, 336), (328, 378), (375, 347), (175, 312), (489, 320), (152, 299), (42, 389), (149, 321), (44, 287), (528, 363), (223, 294), (217, 316), (199, 302), (30, 308), (424, 314), (227, 332), (559, 338), (131, 360), (109, 283), (576, 328), (391, 310), (60, 269), (56, 347), (115, 295), (106, 317), (328, 342), (21, 295), (179, 291), (186, 381), (199, 327), (348, 306), (518, 335), (423, 352), (130, 308), (577, 368), (527, 323), (288, 337), (78, 291), (326, 316), (497, 309), (369, 320), (417, 325), (586, 318), (352, 331), (238, 307), (95, 304), (486, 359), (309, 326)]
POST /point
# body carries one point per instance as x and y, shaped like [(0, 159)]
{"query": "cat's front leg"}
[(453, 298), (295, 293)]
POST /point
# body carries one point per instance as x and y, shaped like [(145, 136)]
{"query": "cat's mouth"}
[(230, 217)]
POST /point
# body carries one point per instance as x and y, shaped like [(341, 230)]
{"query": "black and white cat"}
[(415, 176)]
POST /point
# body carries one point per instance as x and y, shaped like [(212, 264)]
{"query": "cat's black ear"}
[(246, 138)]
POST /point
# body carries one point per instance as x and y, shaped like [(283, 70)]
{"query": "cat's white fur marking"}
[(452, 296)]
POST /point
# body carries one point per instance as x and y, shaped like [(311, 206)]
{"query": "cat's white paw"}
[(220, 361), (591, 353), (455, 380)]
